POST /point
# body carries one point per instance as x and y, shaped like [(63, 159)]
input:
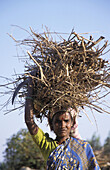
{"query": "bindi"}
[(63, 118)]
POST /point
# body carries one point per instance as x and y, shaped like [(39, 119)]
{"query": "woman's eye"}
[(66, 121), (57, 121)]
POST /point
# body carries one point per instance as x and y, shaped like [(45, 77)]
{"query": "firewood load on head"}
[(69, 73)]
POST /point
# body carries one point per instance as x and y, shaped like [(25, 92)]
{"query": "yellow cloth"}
[(45, 143)]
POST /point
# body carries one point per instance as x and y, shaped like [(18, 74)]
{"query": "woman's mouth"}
[(62, 130)]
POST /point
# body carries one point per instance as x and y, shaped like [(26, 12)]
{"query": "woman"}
[(65, 152)]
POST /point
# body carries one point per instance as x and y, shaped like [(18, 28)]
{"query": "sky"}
[(60, 16)]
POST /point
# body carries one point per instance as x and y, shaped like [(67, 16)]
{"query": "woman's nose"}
[(62, 124)]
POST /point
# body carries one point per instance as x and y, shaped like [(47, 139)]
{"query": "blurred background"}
[(61, 16)]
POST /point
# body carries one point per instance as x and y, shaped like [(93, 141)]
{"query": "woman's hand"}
[(29, 115)]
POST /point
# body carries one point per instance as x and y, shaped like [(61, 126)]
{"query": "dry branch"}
[(70, 73)]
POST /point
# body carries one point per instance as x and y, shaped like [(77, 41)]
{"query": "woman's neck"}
[(61, 140)]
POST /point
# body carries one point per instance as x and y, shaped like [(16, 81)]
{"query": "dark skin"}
[(61, 123), (29, 115)]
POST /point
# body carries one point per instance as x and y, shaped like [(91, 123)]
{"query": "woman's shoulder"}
[(42, 137), (82, 142), (81, 145)]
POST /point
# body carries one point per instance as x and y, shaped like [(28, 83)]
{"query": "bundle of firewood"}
[(69, 73)]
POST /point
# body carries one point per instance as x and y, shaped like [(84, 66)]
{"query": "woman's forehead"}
[(62, 115)]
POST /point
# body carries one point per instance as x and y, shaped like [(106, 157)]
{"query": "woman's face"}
[(62, 124)]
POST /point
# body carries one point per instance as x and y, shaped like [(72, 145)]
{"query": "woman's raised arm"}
[(29, 115)]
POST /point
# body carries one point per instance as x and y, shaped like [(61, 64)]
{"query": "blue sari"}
[(71, 155)]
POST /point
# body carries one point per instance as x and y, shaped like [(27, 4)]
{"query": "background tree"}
[(107, 144), (22, 151), (95, 142), (2, 166)]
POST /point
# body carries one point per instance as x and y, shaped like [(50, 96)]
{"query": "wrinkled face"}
[(62, 124)]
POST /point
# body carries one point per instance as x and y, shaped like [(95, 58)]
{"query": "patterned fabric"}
[(71, 155), (74, 130)]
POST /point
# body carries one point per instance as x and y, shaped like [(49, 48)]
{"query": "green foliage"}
[(95, 142), (107, 144), (2, 166), (22, 151)]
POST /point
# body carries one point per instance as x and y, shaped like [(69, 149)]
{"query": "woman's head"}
[(62, 121)]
